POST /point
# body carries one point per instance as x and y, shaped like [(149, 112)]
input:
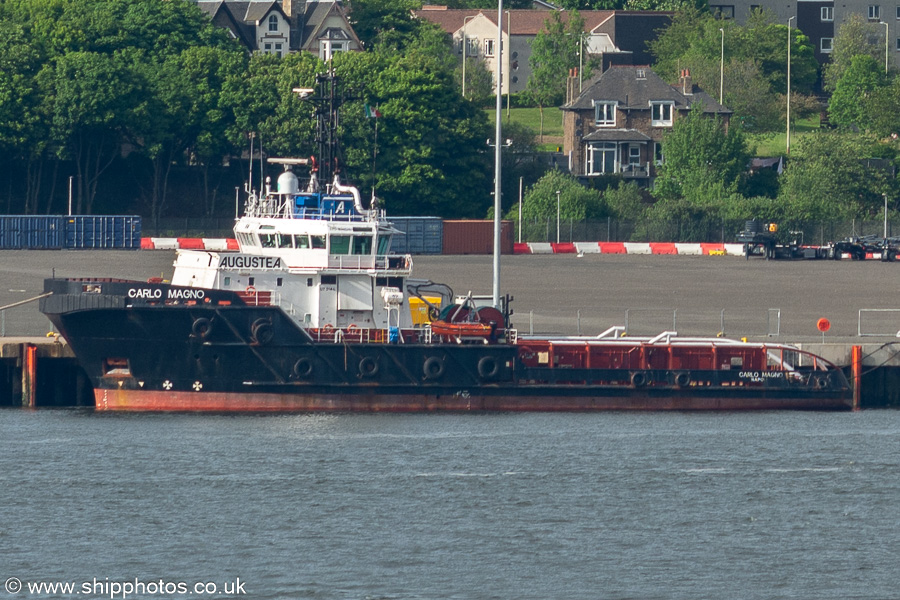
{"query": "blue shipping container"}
[(419, 235), (31, 232), (94, 232)]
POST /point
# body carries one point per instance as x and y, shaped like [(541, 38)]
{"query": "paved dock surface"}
[(550, 290)]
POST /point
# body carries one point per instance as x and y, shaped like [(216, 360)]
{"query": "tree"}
[(856, 36), (371, 18), (432, 157), (701, 153), (576, 202), (882, 106), (755, 62), (22, 132), (625, 201), (554, 52), (825, 178), (92, 98), (848, 102)]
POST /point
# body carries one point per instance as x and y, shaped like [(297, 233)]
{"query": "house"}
[(616, 125), (820, 20), (282, 26), (619, 37)]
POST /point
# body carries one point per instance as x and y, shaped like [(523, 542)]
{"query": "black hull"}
[(234, 357)]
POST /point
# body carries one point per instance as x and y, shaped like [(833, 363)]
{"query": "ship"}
[(313, 313)]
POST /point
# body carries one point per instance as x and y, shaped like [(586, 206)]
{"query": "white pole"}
[(885, 47), (70, 194), (722, 67), (520, 209), (788, 137), (498, 154), (557, 216)]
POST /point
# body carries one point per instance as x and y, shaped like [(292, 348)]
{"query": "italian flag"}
[(372, 113)]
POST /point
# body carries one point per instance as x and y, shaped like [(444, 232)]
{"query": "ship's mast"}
[(327, 103)]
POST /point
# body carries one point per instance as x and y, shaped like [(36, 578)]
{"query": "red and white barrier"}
[(217, 244), (629, 248)]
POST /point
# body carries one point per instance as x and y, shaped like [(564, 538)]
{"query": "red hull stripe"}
[(146, 400)]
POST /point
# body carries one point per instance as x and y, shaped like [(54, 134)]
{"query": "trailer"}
[(763, 239)]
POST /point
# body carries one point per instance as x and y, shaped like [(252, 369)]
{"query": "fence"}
[(697, 231)]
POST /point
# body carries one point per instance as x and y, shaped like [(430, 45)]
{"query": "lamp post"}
[(722, 66), (509, 41), (557, 216), (498, 117), (788, 138), (465, 49), (885, 46)]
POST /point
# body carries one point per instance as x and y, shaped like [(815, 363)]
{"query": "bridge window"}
[(318, 242), (301, 241), (340, 244), (384, 244), (284, 241), (362, 244)]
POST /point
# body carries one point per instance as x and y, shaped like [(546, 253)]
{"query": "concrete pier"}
[(41, 372)]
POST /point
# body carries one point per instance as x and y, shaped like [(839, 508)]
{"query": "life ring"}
[(303, 368), (433, 367), (821, 382), (250, 290), (368, 367), (262, 331), (488, 367), (201, 327), (638, 379), (683, 379)]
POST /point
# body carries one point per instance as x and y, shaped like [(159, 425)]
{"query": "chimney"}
[(687, 87)]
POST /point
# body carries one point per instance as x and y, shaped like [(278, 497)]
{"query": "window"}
[(898, 44), (278, 48), (874, 12), (384, 244), (472, 46), (658, 154), (828, 13), (489, 47), (722, 11), (284, 241), (362, 244), (301, 241), (318, 242), (825, 45), (601, 158), (273, 22), (605, 113), (268, 240), (340, 244), (898, 12), (634, 155), (661, 114)]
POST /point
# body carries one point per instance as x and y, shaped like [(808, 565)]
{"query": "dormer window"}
[(661, 114), (605, 113), (641, 74), (273, 23)]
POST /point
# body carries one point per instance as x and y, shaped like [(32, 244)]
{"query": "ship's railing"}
[(360, 262)]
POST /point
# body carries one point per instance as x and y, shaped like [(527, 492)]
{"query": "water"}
[(569, 506)]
